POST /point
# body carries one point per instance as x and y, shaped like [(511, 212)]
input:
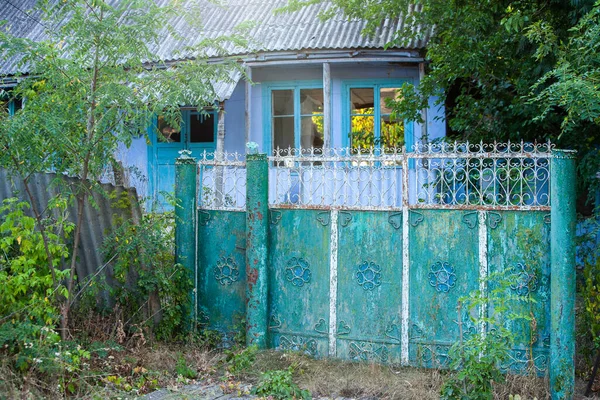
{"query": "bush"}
[(239, 361), (476, 359), (151, 290), (29, 290), (280, 385)]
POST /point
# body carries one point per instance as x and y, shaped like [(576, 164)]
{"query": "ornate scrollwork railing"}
[(432, 175)]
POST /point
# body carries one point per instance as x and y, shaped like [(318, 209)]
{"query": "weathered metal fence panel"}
[(221, 280), (443, 267), (369, 286), (299, 280), (518, 251), (368, 256)]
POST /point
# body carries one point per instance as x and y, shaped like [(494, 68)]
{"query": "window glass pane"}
[(392, 133), (18, 104), (311, 101), (387, 93), (283, 132), (311, 134), (362, 132), (362, 100), (202, 128), (283, 102), (167, 133)]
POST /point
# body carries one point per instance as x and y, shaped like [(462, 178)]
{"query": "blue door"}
[(198, 134)]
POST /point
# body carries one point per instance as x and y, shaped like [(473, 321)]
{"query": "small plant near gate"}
[(152, 290), (476, 359), (241, 360), (182, 368), (279, 384)]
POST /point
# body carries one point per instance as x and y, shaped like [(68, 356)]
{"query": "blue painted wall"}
[(235, 120)]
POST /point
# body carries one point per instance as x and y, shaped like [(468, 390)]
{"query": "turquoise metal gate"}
[(365, 255)]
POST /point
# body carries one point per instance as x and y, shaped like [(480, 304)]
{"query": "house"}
[(313, 84)]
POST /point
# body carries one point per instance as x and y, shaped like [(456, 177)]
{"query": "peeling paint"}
[(405, 283), (333, 267), (483, 267), (382, 285)]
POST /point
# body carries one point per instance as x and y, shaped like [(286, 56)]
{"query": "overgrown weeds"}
[(150, 290), (280, 385)]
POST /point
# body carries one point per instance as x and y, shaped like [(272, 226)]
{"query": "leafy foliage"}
[(280, 385), (29, 291), (30, 294), (572, 88), (363, 132), (589, 288), (151, 289), (89, 87), (241, 360), (505, 70), (477, 359), (182, 369)]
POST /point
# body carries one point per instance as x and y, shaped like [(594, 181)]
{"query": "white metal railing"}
[(339, 178), (495, 175), (436, 175), (222, 181)]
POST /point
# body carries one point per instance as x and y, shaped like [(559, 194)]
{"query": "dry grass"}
[(331, 378), (527, 386), (335, 378)]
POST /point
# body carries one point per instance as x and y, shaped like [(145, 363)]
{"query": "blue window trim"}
[(376, 84), (185, 118), (152, 148), (267, 88), (12, 108)]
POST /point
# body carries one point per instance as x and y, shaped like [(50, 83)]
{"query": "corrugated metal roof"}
[(224, 89), (271, 32)]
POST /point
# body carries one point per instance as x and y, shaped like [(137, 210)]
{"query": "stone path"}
[(198, 392), (211, 392)]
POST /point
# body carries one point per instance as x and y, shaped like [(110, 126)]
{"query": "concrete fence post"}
[(185, 221), (257, 208), (562, 282)]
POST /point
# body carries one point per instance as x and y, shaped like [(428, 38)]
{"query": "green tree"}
[(572, 87), (91, 85), (490, 62)]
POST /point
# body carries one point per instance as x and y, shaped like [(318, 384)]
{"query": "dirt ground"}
[(190, 372)]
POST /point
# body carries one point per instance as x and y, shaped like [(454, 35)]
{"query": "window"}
[(168, 134), (295, 117), (202, 127), (14, 105), (367, 119), (199, 128), (9, 104)]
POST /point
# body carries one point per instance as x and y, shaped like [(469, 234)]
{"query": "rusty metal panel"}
[(519, 251), (444, 266), (369, 286), (299, 244), (221, 270)]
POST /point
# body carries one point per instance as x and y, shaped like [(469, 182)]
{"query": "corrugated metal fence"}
[(106, 206)]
